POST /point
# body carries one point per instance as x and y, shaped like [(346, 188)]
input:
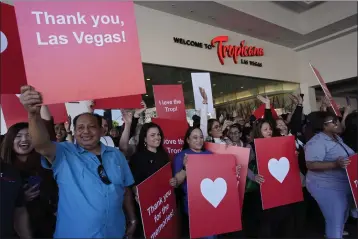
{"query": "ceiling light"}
[(148, 79), (179, 81), (146, 95), (221, 92), (242, 87)]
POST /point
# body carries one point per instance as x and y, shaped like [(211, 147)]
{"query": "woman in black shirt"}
[(150, 156)]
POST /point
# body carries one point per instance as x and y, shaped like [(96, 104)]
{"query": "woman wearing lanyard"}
[(326, 179)]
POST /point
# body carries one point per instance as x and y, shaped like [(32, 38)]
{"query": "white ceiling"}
[(269, 21)]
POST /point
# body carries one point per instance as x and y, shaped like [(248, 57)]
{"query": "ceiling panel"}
[(298, 6)]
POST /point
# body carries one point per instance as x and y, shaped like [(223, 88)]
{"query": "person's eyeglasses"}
[(331, 121), (103, 175)]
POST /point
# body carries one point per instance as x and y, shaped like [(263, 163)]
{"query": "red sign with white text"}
[(124, 102), (157, 205), (169, 102), (75, 50), (13, 110), (174, 132), (232, 51), (326, 91), (278, 164), (242, 158), (352, 172), (12, 75), (213, 197)]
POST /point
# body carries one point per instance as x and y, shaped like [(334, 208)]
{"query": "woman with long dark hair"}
[(41, 191), (149, 157)]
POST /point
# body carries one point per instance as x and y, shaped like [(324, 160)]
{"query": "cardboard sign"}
[(202, 80), (76, 50), (13, 110), (242, 158), (326, 91), (352, 173), (260, 112), (278, 164), (124, 102), (174, 132), (12, 75), (169, 102), (157, 205), (58, 112), (213, 198)]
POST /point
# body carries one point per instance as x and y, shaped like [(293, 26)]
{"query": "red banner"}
[(213, 197), (352, 173), (12, 75), (260, 112), (124, 102), (242, 158), (174, 132), (77, 50), (58, 112), (157, 205), (169, 102), (278, 164), (326, 91), (13, 110)]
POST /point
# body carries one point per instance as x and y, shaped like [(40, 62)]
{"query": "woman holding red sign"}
[(326, 158), (193, 144), (150, 156)]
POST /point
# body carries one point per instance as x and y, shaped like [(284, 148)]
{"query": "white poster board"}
[(202, 80)]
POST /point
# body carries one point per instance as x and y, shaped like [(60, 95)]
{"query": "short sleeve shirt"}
[(322, 148), (87, 207)]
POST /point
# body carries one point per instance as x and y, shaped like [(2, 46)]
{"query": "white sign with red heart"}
[(279, 168), (213, 191)]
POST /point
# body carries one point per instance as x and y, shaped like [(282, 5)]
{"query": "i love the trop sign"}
[(88, 49)]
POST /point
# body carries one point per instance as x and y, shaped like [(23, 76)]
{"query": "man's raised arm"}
[(32, 100)]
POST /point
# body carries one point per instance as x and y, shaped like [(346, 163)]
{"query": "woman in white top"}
[(212, 130)]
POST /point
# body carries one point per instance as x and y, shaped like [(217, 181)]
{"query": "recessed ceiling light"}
[(148, 79), (242, 87)]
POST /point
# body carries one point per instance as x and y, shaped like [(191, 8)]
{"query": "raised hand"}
[(137, 112), (67, 124), (203, 94), (127, 117), (31, 99)]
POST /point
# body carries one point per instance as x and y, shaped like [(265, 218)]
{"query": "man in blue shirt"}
[(93, 179)]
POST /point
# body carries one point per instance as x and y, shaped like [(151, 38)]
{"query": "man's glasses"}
[(331, 121), (103, 175)]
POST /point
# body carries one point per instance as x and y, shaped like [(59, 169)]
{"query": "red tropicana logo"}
[(233, 51)]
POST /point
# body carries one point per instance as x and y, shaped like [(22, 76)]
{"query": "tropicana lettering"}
[(234, 52)]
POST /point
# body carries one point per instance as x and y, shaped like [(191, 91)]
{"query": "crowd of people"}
[(82, 184)]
